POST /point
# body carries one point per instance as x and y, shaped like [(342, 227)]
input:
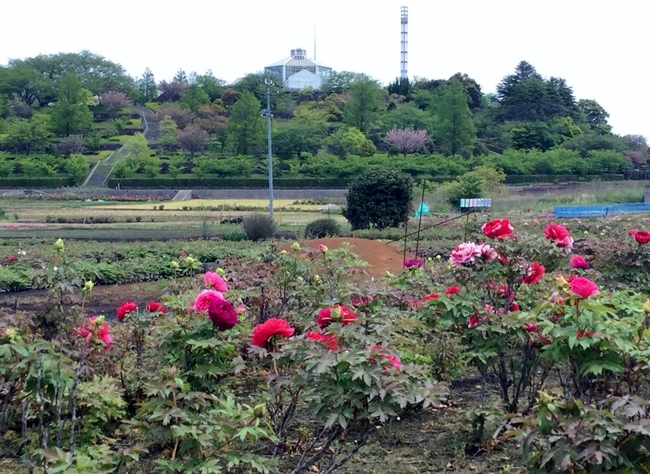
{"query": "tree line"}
[(53, 103)]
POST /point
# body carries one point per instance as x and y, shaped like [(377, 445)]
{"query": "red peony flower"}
[(534, 274), (395, 362), (559, 234), (431, 296), (473, 321), (222, 314), (583, 287), (83, 331), (530, 327), (497, 229), (215, 281), (156, 307), (514, 307), (126, 308), (642, 237), (580, 334), (12, 258), (203, 300), (452, 290), (104, 335), (579, 261), (335, 314), (328, 340), (270, 332), (363, 301)]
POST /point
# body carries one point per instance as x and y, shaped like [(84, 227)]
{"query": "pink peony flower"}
[(583, 287), (203, 300), (578, 261), (12, 258), (215, 281), (414, 262), (487, 253), (464, 254), (497, 229)]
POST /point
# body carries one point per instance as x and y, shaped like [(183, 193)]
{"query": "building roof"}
[(298, 58)]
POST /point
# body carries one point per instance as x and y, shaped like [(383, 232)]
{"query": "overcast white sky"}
[(600, 47)]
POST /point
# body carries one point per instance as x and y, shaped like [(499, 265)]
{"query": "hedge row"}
[(561, 178), (227, 183), (29, 183), (325, 183)]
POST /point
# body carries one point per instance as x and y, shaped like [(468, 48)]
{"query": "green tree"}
[(33, 167), (77, 168), (379, 197), (213, 86), (29, 135), (362, 108), (168, 138), (407, 116), (454, 129), (194, 97), (246, 126), (340, 82), (594, 116), (71, 115), (525, 96), (138, 144), (6, 165), (150, 165), (147, 90), (354, 142), (470, 185)]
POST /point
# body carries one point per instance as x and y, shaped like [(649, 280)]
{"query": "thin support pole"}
[(417, 239), (406, 229), (270, 147)]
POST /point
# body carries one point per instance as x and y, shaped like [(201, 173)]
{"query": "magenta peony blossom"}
[(203, 300), (222, 314), (578, 261), (583, 287)]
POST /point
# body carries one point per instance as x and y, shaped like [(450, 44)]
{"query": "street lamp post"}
[(267, 113)]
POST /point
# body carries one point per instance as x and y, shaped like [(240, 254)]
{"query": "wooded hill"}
[(56, 108)]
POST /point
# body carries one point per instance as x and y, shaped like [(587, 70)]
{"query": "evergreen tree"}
[(246, 125), (454, 129), (147, 89)]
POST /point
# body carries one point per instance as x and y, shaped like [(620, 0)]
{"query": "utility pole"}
[(267, 113)]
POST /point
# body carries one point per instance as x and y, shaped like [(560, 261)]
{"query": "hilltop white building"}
[(299, 72)]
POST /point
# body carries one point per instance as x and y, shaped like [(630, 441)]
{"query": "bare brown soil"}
[(381, 256)]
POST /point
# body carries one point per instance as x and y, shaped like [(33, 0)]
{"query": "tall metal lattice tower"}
[(405, 43)]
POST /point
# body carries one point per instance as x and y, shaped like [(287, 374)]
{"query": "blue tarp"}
[(422, 210), (600, 210)]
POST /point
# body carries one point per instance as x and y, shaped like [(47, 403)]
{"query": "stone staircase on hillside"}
[(183, 195)]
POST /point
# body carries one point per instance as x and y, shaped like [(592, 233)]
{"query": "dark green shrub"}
[(322, 228), (258, 227), (379, 197)]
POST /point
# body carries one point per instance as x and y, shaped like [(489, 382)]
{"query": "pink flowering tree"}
[(114, 102), (407, 140)]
